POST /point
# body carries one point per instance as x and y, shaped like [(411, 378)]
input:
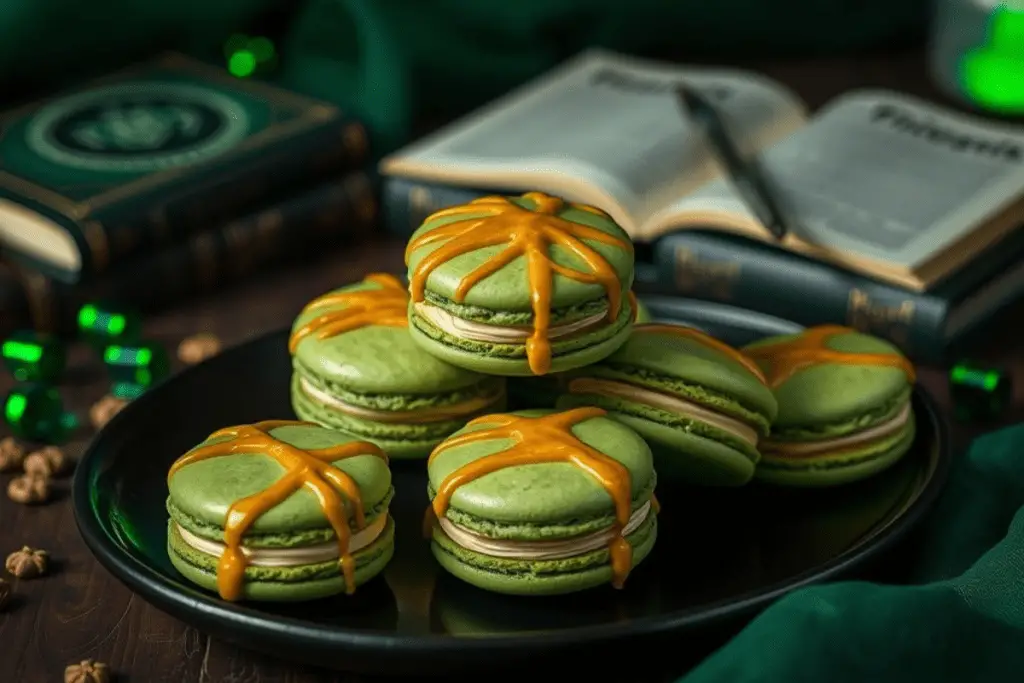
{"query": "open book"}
[(880, 183)]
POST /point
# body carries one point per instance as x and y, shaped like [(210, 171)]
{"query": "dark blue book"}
[(714, 266)]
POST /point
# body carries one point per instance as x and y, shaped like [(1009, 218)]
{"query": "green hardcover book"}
[(145, 156)]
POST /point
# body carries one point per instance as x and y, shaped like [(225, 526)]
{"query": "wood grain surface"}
[(79, 611)]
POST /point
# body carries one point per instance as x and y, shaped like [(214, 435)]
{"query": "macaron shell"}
[(508, 289), (863, 463), (380, 360), (370, 561), (834, 392), (414, 446), (207, 488), (546, 492), (686, 358), (681, 456), (558, 577)]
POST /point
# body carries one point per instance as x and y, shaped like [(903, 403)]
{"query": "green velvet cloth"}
[(393, 62), (960, 619)]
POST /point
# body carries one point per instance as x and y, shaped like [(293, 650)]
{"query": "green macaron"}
[(541, 502), (844, 406), (542, 391), (357, 369), (701, 405), (291, 510), (520, 285)]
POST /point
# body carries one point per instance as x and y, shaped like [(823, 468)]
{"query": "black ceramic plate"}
[(721, 554)]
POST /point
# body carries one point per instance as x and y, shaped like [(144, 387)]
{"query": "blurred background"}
[(396, 69)]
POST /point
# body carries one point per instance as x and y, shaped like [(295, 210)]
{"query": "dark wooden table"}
[(79, 611)]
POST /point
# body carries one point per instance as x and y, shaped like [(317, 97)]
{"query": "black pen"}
[(746, 174)]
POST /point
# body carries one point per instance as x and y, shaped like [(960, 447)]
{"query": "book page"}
[(607, 120), (881, 175)]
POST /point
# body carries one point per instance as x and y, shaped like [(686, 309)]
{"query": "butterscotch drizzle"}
[(312, 470), (386, 305), (705, 340), (543, 440), (786, 357), (493, 221)]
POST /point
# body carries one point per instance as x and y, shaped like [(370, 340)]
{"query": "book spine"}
[(301, 226), (776, 282), (757, 277), (405, 203), (155, 219)]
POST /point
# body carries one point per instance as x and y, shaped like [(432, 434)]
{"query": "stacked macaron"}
[(702, 405), (528, 296), (357, 369), (844, 406), (280, 511)]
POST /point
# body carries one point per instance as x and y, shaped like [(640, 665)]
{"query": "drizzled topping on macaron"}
[(312, 470), (384, 305), (786, 357), (538, 440), (527, 232)]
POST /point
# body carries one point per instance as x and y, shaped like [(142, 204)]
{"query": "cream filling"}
[(290, 557), (798, 449), (670, 404), (540, 550), (498, 334), (433, 414)]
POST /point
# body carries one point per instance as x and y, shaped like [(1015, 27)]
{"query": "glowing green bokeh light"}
[(993, 74)]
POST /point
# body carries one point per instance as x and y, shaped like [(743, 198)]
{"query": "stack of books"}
[(905, 218), (164, 180)]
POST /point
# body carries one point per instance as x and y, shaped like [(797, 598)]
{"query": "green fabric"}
[(960, 619), (396, 61)]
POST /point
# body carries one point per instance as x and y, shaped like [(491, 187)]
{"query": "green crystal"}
[(34, 411), (142, 365), (34, 356), (979, 393), (103, 324)]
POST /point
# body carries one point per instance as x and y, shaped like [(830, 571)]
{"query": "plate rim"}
[(175, 598)]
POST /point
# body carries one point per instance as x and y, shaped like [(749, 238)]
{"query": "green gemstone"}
[(34, 411), (34, 356), (103, 324), (979, 393), (143, 364)]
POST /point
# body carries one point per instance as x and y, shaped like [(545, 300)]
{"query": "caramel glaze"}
[(705, 340), (541, 440), (787, 357), (387, 305), (312, 470), (493, 221)]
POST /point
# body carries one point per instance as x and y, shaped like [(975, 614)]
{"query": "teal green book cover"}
[(145, 156)]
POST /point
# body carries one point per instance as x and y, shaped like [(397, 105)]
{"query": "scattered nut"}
[(28, 489), (104, 410), (87, 671), (11, 454), (46, 462), (199, 347), (27, 563), (5, 594)]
